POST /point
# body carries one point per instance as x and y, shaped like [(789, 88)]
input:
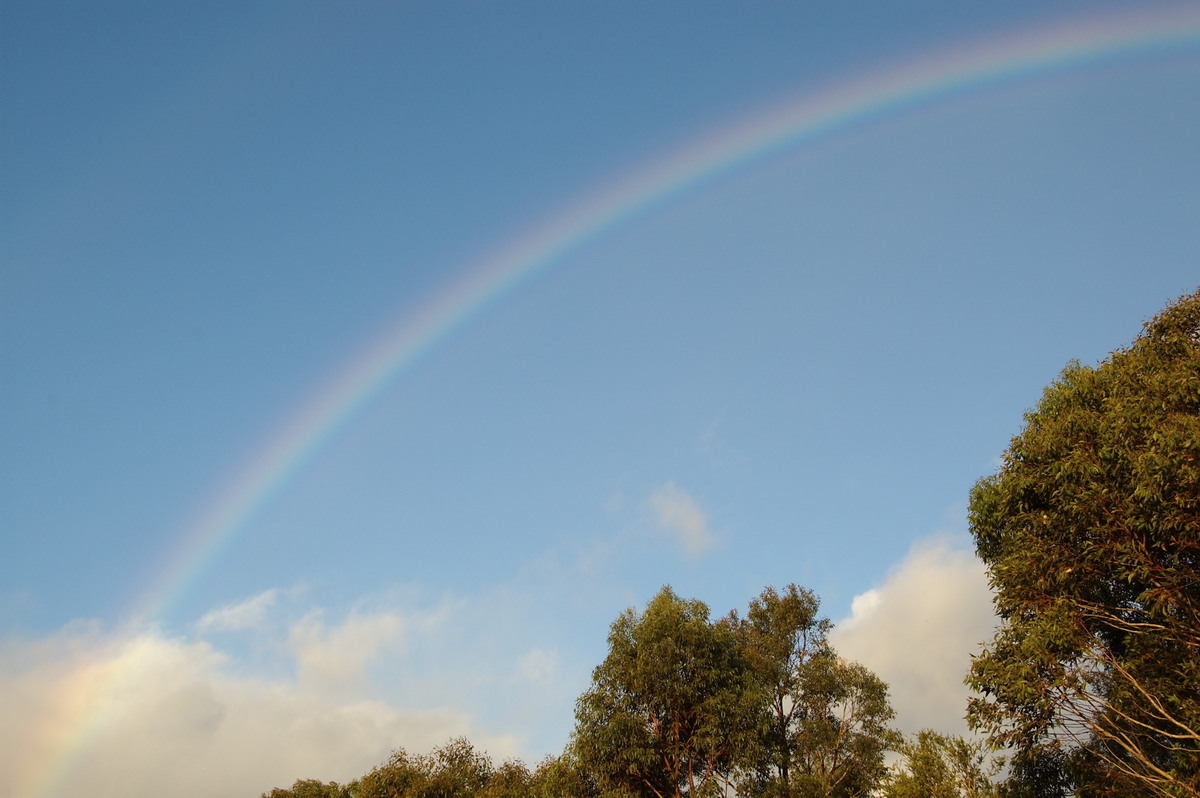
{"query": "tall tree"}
[(779, 636), (670, 707), (1091, 534), (826, 731)]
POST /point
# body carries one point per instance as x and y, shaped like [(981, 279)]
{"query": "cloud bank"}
[(157, 715), (264, 691), (918, 630)]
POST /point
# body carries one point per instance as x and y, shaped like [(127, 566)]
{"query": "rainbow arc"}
[(704, 162)]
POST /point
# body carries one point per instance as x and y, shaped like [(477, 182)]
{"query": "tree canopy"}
[(825, 730), (1091, 534), (759, 707), (942, 766), (671, 706)]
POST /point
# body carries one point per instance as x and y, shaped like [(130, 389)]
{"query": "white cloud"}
[(314, 694), (863, 605), (335, 659), (149, 715), (917, 631), (537, 666), (239, 616), (677, 512)]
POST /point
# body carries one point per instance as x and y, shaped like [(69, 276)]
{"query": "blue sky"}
[(792, 373)]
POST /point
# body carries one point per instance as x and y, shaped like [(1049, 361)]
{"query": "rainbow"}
[(877, 96)]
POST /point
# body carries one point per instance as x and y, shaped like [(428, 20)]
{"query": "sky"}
[(361, 362)]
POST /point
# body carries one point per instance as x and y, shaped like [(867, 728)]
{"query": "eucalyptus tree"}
[(670, 708), (1091, 534), (826, 730), (779, 637)]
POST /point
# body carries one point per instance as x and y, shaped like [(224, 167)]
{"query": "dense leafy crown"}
[(1091, 533), (670, 706)]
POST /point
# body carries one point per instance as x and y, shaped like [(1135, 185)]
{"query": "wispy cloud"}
[(918, 630), (677, 513), (537, 666), (239, 616)]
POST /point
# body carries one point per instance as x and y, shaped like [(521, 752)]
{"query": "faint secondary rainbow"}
[(881, 94)]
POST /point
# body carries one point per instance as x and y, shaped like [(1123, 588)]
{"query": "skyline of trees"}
[(686, 706)]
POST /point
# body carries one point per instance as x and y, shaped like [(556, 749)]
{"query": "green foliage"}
[(562, 777), (826, 730), (779, 637), (942, 766), (510, 780), (310, 788), (670, 707), (683, 706), (842, 729), (1091, 534), (456, 770)]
